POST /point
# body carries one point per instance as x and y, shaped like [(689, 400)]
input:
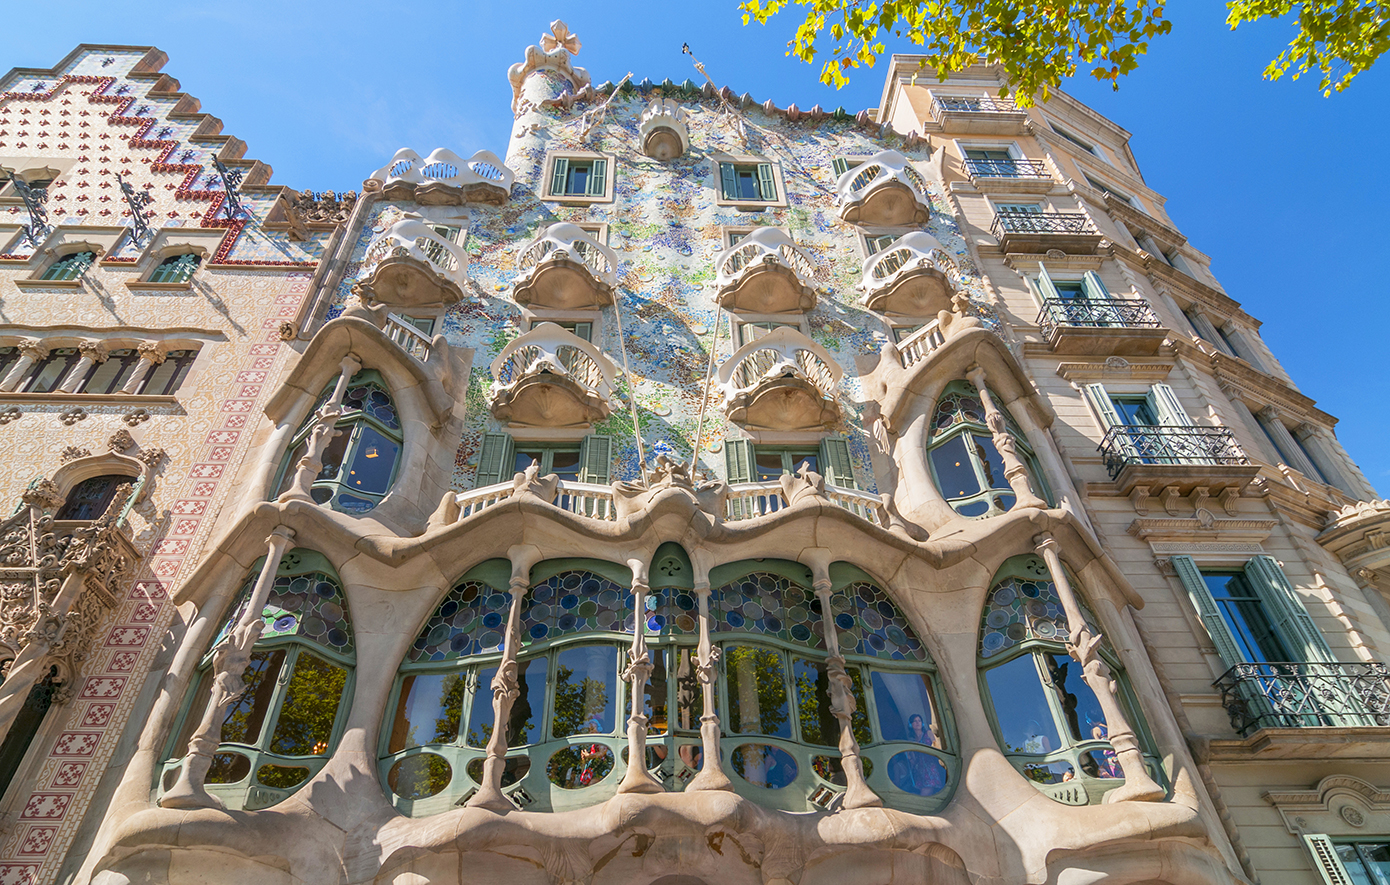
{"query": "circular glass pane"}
[(418, 777), (831, 769), (580, 766), (920, 774), (1101, 763), (764, 765)]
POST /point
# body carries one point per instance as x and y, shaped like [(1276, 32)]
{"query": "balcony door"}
[(1147, 428), (1084, 302)]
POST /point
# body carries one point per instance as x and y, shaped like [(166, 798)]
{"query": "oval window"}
[(1048, 772), (580, 766), (764, 765), (513, 770), (832, 770), (228, 768), (920, 774), (419, 777)]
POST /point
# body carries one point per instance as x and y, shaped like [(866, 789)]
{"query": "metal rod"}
[(704, 400), (631, 388)]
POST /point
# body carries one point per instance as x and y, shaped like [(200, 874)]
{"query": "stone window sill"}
[(140, 399)]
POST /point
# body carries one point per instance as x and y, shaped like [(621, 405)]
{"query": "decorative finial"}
[(558, 37)]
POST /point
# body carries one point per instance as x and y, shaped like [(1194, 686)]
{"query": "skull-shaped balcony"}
[(410, 265), (566, 269), (444, 178), (913, 276), (550, 377), (884, 190), (781, 381), (765, 272)]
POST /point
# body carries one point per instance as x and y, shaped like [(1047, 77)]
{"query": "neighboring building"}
[(973, 533)]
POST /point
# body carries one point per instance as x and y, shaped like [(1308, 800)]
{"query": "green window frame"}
[(582, 330), (352, 480), (965, 464), (772, 695), (746, 462), (876, 243), (579, 177), (1048, 722), (70, 266), (589, 460), (1341, 861), (291, 715), (176, 268), (747, 182)]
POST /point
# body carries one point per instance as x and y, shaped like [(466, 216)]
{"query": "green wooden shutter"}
[(728, 180), (1104, 408), (1045, 287), (738, 463), (596, 459), (1167, 407), (840, 165), (835, 462), (495, 461), (558, 175), (1325, 859), (766, 185), (1202, 601), (1291, 619), (1092, 286), (598, 178), (1094, 290)]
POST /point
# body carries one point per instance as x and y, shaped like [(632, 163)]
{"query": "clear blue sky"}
[(1287, 190)]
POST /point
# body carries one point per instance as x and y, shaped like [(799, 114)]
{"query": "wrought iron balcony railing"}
[(1128, 444), (1041, 223), (1305, 695), (980, 104), (1096, 313), (1006, 169)]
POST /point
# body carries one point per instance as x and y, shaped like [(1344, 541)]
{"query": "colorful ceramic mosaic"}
[(470, 621), (870, 624), (1020, 609)]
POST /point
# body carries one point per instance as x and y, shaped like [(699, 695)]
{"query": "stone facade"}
[(950, 520)]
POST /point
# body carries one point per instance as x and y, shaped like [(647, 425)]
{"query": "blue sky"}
[(1285, 189)]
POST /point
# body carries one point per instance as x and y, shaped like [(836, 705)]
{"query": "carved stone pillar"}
[(842, 703), (1319, 451), (30, 352), (350, 366), (1014, 469), (1283, 440), (324, 432), (229, 662), (91, 354), (711, 776), (638, 673), (1261, 446), (1205, 329), (1084, 649), (151, 355)]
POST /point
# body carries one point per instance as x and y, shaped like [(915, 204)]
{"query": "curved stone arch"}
[(67, 477)]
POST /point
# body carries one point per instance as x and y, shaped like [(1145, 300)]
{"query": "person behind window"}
[(918, 731)]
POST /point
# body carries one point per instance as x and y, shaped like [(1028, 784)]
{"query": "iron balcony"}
[(1126, 444), (980, 105), (1006, 169), (1305, 695), (1095, 313)]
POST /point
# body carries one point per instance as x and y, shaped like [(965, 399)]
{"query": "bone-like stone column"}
[(638, 673), (1014, 469), (30, 352), (711, 775), (311, 464), (505, 687), (229, 662), (842, 703), (92, 353), (151, 355), (1084, 649)]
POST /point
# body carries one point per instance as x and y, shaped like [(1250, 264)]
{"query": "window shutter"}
[(1104, 408), (1045, 286), (585, 331), (1093, 287), (1292, 620), (738, 460), (835, 462), (495, 460), (728, 181), (598, 178), (1206, 608), (558, 175), (596, 459), (766, 185), (1326, 860), (1166, 406), (840, 165)]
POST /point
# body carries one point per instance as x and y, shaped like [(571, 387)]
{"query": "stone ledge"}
[(1365, 743)]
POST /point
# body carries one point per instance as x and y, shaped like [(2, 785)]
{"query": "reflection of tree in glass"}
[(690, 696), (310, 707), (416, 777), (281, 777), (757, 691), (818, 724), (577, 703), (247, 715), (446, 727)]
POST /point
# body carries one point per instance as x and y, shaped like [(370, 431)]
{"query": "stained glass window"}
[(968, 467)]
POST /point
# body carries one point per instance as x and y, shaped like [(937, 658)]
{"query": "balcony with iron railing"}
[(1037, 232), (1307, 695), (444, 178), (1180, 456), (979, 114), (1101, 326), (765, 272), (411, 265), (781, 381), (912, 276), (1009, 175), (566, 269), (884, 190), (550, 377)]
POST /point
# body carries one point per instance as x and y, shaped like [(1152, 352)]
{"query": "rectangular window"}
[(110, 376), (579, 177), (764, 463), (753, 331), (1367, 863), (166, 377), (902, 333), (48, 373), (876, 243), (771, 462), (1076, 140), (1109, 191), (578, 330), (589, 460), (69, 267), (1018, 209), (841, 165), (747, 182), (1244, 613)]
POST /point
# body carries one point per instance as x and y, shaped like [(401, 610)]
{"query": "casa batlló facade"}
[(699, 491)]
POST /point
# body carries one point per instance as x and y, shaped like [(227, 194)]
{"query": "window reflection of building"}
[(967, 466)]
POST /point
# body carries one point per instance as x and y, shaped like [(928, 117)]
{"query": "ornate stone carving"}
[(287, 331), (672, 481), (10, 414), (135, 416), (72, 453), (307, 207), (151, 352), (151, 457), (72, 416), (805, 483), (120, 441)]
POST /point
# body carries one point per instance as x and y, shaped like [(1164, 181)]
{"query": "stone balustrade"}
[(444, 178), (409, 338)]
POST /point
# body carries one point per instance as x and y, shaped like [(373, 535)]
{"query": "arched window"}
[(968, 468), (359, 464), (26, 726), (176, 268), (70, 266), (1046, 718), (567, 744), (90, 497), (287, 721)]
